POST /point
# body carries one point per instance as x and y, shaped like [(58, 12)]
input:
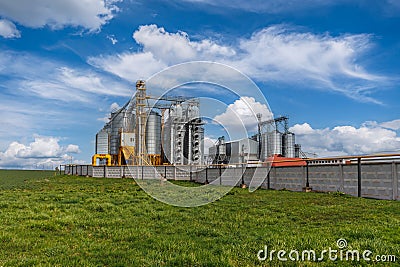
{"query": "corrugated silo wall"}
[(378, 180)]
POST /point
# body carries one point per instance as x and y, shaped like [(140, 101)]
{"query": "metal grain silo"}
[(288, 145), (153, 133), (117, 126), (274, 143), (102, 142)]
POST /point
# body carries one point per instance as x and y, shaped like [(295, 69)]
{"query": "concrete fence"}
[(368, 179)]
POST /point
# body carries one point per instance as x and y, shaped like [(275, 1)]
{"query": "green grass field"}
[(49, 220)]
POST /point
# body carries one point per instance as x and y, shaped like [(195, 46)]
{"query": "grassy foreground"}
[(48, 220)]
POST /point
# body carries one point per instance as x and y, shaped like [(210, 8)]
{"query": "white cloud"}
[(394, 125), (72, 149), (89, 14), (43, 150), (114, 107), (129, 66), (112, 39), (8, 29), (277, 53), (263, 6), (177, 47), (71, 85), (242, 113), (285, 6), (346, 140), (51, 80), (319, 57)]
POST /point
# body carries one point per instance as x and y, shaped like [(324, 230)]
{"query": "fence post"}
[(190, 172), (268, 180), (243, 170), (395, 180), (105, 170), (341, 177), (307, 176), (174, 172), (142, 171), (206, 175), (165, 172), (220, 175), (359, 177)]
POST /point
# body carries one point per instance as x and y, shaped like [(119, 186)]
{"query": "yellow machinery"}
[(155, 159), (127, 153), (101, 156)]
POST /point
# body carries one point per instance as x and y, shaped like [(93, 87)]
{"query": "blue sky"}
[(331, 66)]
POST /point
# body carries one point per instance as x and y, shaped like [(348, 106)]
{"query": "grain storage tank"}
[(153, 133), (288, 145), (274, 143), (102, 142), (117, 126)]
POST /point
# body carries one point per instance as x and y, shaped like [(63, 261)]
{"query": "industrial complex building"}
[(171, 131), (273, 139)]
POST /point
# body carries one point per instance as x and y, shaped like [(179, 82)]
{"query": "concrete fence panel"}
[(377, 181)]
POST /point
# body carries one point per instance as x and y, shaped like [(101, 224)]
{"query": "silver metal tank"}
[(153, 133), (117, 126), (297, 149), (274, 143), (288, 145), (264, 147), (102, 142)]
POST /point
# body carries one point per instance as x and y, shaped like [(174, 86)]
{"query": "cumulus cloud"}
[(369, 138), (176, 47), (89, 14), (43, 150), (277, 53), (394, 125), (8, 29), (242, 113), (72, 149), (129, 66)]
